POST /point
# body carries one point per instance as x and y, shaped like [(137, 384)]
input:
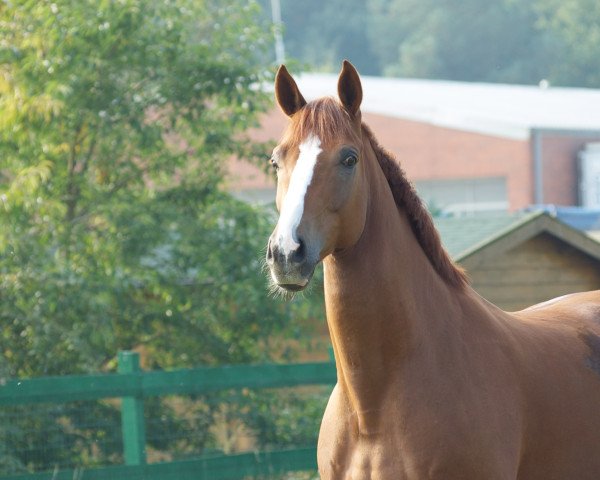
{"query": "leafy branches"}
[(117, 118), (468, 40)]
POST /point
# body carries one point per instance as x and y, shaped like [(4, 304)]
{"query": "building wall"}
[(425, 151), (535, 271), (431, 152), (559, 166)]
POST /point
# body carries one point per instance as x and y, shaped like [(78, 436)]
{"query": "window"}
[(464, 195)]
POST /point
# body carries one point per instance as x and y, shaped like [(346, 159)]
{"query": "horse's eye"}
[(349, 160), (274, 163)]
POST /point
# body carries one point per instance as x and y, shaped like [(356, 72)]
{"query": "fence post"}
[(132, 414)]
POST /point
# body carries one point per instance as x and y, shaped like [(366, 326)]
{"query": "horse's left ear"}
[(349, 88), (287, 93)]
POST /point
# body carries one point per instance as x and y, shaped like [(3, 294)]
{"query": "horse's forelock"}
[(324, 118)]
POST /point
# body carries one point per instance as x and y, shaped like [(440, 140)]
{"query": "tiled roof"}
[(462, 235), (465, 236)]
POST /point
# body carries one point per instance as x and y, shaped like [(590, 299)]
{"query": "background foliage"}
[(117, 119), (468, 40)]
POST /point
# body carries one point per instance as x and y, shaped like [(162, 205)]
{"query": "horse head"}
[(321, 185)]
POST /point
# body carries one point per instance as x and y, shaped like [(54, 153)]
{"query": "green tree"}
[(471, 40), (116, 121), (574, 26), (321, 34)]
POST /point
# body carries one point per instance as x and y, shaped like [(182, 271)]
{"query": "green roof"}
[(464, 235)]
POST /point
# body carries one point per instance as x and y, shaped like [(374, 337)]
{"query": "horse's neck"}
[(383, 298)]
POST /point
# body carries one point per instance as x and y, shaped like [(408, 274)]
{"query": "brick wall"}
[(559, 164), (426, 152), (431, 152)]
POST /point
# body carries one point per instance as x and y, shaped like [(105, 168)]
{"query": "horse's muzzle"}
[(291, 270)]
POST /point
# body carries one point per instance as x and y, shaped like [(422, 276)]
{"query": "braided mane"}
[(420, 219)]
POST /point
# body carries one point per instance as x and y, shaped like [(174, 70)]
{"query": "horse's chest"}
[(384, 459), (346, 452), (399, 447), (357, 459), (363, 463)]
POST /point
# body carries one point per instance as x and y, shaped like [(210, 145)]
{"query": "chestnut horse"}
[(433, 382)]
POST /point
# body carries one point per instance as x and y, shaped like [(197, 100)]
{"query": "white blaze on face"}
[(293, 203)]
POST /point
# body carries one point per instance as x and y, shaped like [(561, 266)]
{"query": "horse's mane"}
[(327, 119), (324, 117), (406, 197)]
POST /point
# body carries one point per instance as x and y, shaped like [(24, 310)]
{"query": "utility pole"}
[(279, 47)]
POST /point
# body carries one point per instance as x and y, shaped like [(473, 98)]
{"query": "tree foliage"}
[(116, 121), (467, 40), (575, 25)]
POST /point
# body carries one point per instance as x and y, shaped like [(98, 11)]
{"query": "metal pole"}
[(279, 47)]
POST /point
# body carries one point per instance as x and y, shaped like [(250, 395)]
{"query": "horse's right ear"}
[(349, 88), (287, 93)]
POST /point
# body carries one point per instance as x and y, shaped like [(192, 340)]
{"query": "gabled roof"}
[(509, 111), (466, 236)]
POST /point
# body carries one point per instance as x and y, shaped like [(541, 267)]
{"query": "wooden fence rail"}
[(133, 385)]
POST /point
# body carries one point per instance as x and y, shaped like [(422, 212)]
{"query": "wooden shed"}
[(518, 260)]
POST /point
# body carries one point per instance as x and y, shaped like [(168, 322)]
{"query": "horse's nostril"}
[(300, 252), (275, 255)]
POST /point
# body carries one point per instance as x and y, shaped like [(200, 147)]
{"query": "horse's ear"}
[(349, 88), (287, 93)]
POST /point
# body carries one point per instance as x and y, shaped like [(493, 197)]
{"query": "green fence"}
[(134, 386)]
